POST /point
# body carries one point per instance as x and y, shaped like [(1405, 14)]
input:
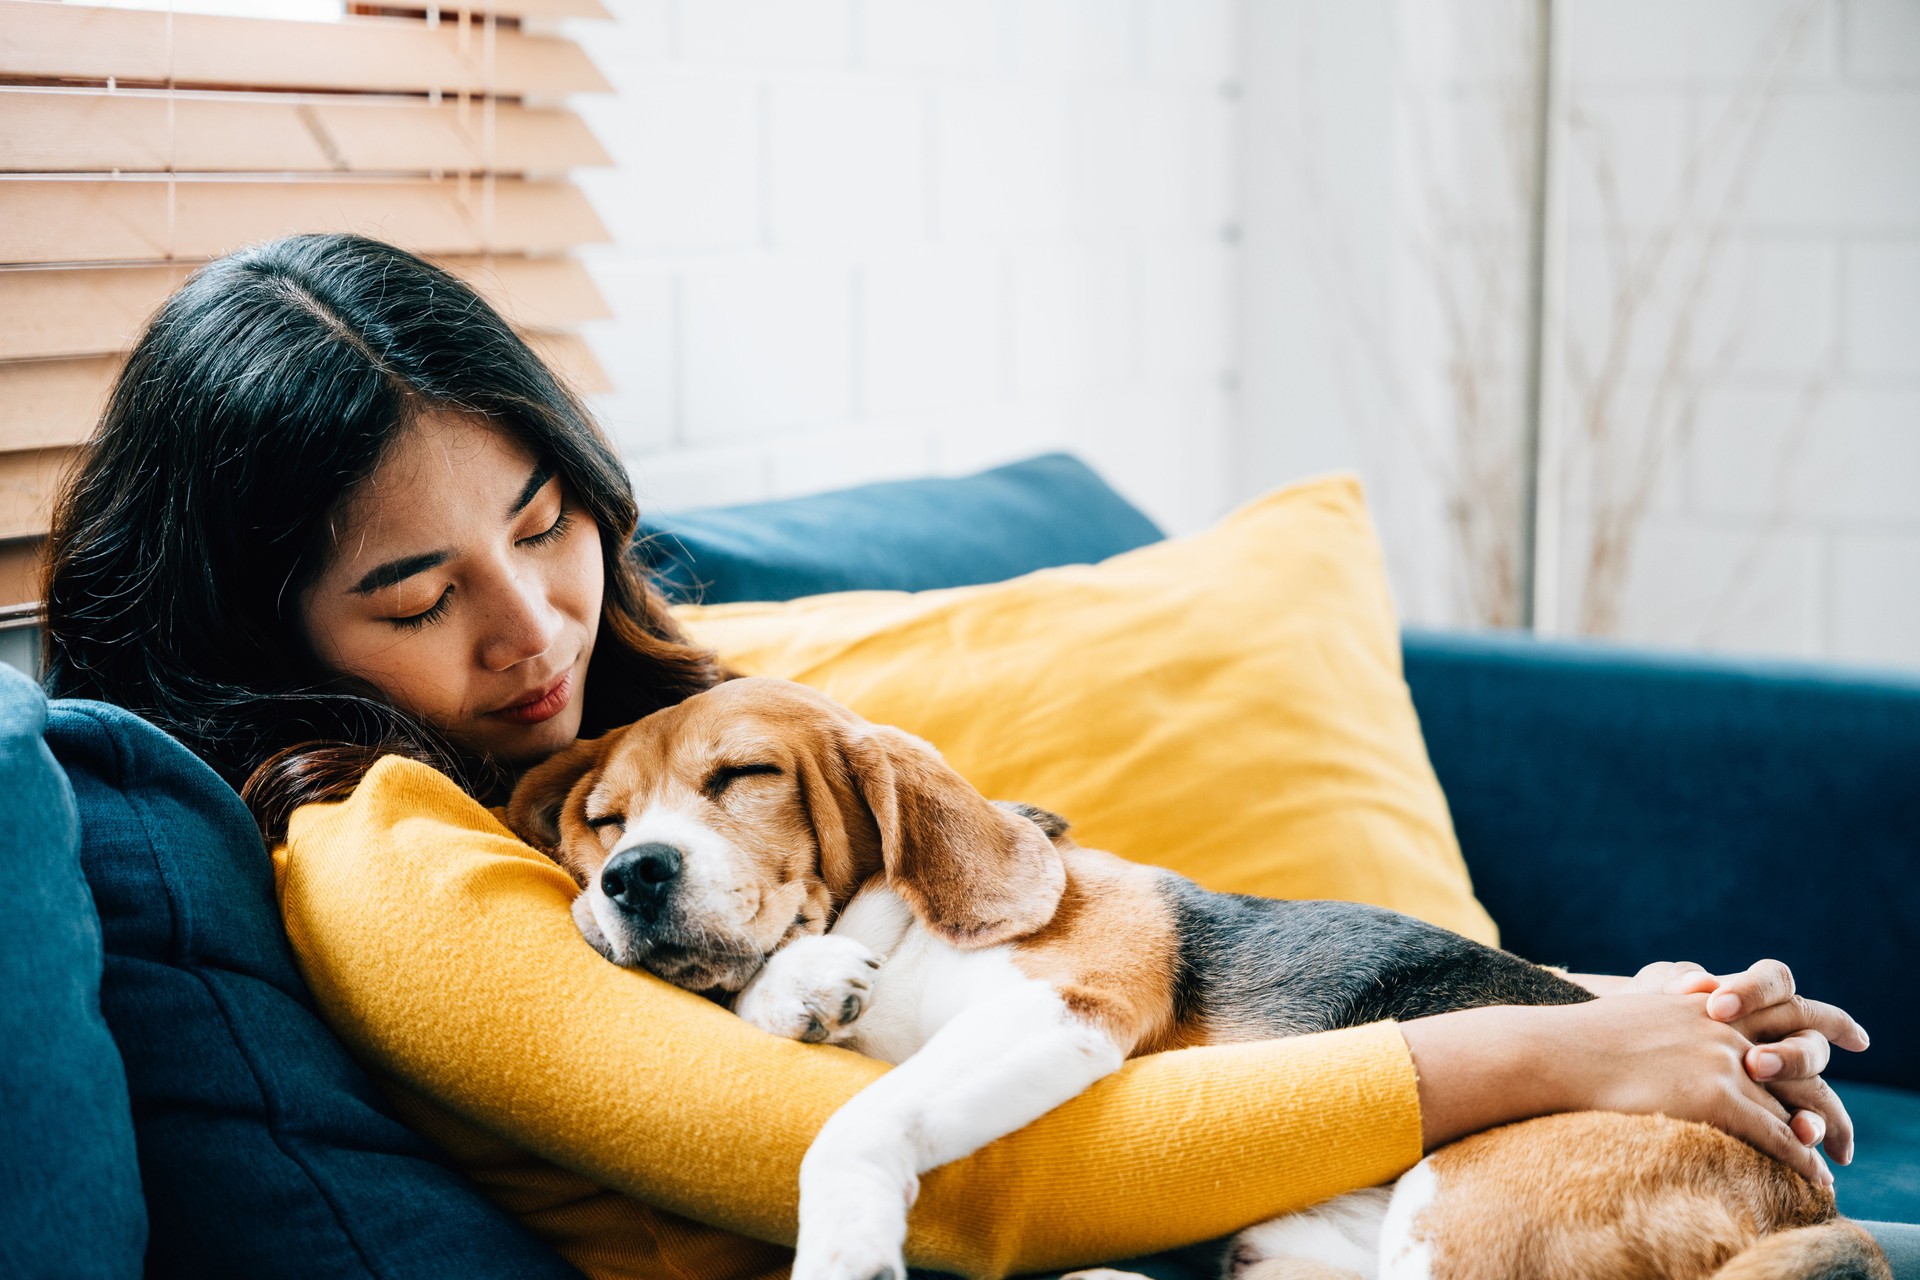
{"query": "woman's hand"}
[(1671, 1055), (1792, 1039), (1641, 1052)]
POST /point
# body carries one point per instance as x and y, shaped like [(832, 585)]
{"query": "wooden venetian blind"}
[(135, 145)]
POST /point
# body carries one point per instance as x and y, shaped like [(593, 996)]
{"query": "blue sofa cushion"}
[(907, 535), (69, 1187), (1883, 1182), (265, 1151), (1618, 807)]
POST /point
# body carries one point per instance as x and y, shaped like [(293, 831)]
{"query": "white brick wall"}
[(1771, 352), (857, 239), (1790, 522)]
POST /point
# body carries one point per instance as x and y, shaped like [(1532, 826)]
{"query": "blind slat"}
[(568, 355), (58, 220), (43, 132), (20, 570), (57, 312), (40, 41), (53, 403), (62, 312), (28, 482), (535, 293), (526, 8)]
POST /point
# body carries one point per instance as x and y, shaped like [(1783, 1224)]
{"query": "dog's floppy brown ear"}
[(972, 872), (533, 812)]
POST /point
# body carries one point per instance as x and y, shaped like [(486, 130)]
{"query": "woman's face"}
[(465, 583)]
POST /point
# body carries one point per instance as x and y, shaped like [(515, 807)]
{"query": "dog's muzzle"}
[(639, 881), (648, 929)]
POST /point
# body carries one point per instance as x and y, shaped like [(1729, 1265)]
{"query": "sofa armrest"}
[(1619, 807)]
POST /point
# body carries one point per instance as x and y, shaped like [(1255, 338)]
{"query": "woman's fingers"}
[(1761, 1128), (1795, 1057), (1815, 1098), (1763, 1003), (1664, 976), (1783, 1020), (1810, 1127), (1763, 984), (1688, 980)]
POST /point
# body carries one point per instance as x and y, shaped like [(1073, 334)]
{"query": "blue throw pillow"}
[(69, 1185), (904, 535), (265, 1150)]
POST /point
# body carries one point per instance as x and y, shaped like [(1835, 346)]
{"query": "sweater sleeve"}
[(443, 951)]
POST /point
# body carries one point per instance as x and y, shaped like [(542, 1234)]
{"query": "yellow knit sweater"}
[(646, 1132)]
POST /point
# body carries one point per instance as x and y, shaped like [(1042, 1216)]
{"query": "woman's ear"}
[(533, 812), (974, 873)]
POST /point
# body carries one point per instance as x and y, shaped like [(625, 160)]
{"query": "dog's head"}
[(706, 835)]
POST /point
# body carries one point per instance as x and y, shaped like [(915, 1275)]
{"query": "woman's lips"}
[(544, 705)]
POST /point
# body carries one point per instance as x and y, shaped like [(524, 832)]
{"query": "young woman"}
[(337, 510)]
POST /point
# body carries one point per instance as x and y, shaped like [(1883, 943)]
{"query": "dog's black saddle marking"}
[(1258, 968)]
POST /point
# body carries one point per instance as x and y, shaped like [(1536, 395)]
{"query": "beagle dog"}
[(834, 880)]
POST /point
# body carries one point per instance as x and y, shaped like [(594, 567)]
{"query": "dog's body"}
[(855, 890)]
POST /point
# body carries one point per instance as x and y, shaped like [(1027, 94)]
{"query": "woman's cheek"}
[(427, 676), (589, 576)]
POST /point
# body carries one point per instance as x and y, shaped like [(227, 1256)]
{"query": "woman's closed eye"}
[(433, 613), (562, 522), (553, 532)]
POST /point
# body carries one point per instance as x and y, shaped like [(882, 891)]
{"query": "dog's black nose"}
[(638, 878)]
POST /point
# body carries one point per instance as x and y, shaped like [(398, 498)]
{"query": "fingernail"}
[(1723, 1006), (1866, 1041), (1766, 1065)]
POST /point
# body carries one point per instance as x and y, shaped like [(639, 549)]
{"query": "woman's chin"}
[(520, 745)]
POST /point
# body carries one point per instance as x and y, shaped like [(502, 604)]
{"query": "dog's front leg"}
[(1001, 1062)]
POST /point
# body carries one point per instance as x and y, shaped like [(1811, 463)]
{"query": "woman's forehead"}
[(444, 472)]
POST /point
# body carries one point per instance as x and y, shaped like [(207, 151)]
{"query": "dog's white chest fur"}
[(923, 982)]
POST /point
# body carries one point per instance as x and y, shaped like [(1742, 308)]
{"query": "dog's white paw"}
[(814, 989), (850, 1260), (854, 1239)]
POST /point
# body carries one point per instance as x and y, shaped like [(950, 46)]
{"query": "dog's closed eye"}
[(608, 826), (727, 774)]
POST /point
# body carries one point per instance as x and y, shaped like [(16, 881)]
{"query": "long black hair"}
[(259, 394)]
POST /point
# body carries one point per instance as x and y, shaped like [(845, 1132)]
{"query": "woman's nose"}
[(521, 623)]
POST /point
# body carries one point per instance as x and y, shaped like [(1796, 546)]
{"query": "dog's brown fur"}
[(1637, 1198)]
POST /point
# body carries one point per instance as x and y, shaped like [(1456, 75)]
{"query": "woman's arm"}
[(1637, 1052), (442, 950)]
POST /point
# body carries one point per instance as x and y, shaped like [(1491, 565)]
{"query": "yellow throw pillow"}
[(1229, 705)]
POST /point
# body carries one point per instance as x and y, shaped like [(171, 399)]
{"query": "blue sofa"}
[(177, 1109)]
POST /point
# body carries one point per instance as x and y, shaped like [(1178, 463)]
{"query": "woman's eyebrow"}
[(542, 472), (398, 570)]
